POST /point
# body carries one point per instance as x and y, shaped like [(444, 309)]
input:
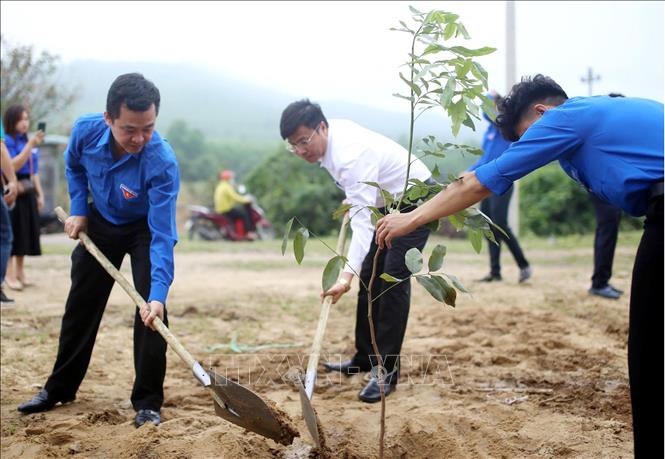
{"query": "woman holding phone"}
[(25, 214)]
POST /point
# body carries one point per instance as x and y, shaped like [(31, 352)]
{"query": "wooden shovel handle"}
[(323, 319), (131, 291)]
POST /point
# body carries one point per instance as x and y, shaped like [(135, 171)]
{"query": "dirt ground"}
[(533, 370)]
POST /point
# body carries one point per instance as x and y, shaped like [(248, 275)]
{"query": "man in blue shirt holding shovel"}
[(132, 176)]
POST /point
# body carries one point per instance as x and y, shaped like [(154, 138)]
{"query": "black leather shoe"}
[(4, 298), (143, 416), (371, 393), (605, 292), (349, 368), (491, 278), (41, 402), (619, 291)]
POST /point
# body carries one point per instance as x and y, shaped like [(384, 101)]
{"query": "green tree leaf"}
[(414, 87), (449, 293), (449, 31), (456, 282), (287, 232), (388, 278), (457, 220), (432, 286), (457, 112), (414, 260), (466, 52), (436, 259), (341, 210), (331, 272), (479, 72), (462, 30), (434, 226), (387, 197), (468, 122), (374, 184), (299, 242), (448, 93), (476, 238)]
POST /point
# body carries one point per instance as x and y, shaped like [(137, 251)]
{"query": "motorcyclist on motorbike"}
[(229, 202)]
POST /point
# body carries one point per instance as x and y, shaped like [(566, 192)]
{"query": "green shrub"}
[(286, 186), (551, 203)]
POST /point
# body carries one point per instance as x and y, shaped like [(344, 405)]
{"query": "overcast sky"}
[(344, 50)]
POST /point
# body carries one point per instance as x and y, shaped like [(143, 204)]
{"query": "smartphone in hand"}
[(42, 126)]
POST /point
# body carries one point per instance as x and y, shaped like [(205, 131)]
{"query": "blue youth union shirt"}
[(611, 145), (143, 185), (15, 145)]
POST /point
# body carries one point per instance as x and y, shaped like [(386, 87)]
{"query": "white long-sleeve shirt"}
[(355, 154)]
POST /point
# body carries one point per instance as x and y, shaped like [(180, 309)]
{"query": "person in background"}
[(608, 218), (613, 147), (496, 207), (25, 214), (229, 202), (9, 198)]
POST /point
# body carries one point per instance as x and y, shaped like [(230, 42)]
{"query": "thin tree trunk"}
[(381, 369)]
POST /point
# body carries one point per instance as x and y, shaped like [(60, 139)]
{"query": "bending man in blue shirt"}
[(614, 147), (131, 174)]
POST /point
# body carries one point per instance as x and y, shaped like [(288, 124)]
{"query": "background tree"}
[(554, 205), (31, 80), (286, 185)]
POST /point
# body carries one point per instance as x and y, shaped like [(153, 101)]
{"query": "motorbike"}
[(205, 224)]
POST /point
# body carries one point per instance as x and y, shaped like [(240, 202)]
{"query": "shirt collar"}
[(105, 138), (326, 160)]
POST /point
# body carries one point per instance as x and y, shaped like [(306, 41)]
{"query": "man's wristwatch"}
[(344, 282)]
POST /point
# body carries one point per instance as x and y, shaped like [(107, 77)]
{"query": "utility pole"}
[(590, 78), (511, 78)]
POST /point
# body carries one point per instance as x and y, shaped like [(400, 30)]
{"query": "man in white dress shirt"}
[(352, 155)]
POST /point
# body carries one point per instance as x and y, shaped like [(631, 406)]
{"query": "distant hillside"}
[(227, 109)]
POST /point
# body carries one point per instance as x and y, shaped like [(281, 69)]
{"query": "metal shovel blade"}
[(241, 406), (309, 414)]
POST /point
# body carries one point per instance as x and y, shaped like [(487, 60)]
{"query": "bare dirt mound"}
[(535, 370)]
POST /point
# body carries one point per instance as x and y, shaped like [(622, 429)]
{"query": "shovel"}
[(233, 402), (307, 390)]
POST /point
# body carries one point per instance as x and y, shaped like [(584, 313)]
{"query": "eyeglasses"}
[(303, 143)]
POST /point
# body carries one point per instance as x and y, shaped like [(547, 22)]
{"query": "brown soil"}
[(534, 370)]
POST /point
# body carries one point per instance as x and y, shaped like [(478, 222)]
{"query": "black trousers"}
[(89, 292), (391, 311), (496, 208), (645, 337), (608, 218)]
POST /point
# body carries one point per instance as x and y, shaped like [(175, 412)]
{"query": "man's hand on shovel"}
[(149, 311), (342, 286), (75, 224)]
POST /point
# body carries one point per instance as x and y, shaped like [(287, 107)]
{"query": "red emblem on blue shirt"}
[(127, 193)]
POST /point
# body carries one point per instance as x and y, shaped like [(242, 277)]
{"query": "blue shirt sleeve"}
[(550, 138), (10, 143), (35, 160), (77, 182), (162, 195)]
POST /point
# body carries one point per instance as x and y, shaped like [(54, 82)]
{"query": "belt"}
[(656, 190)]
